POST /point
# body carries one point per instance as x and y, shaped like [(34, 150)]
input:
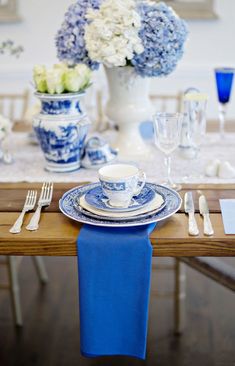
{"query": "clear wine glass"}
[(167, 133), (193, 132), (195, 105), (224, 82)]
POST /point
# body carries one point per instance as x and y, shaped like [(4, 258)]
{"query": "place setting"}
[(121, 198), (117, 169)]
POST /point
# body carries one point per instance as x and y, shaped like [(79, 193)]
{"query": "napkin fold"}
[(228, 215), (114, 267)]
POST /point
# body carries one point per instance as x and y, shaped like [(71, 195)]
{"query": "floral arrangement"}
[(9, 47), (148, 36), (5, 127), (61, 78)]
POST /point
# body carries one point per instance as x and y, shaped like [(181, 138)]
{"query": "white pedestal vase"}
[(128, 106)]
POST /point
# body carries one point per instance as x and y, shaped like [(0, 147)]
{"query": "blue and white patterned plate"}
[(66, 205), (95, 198)]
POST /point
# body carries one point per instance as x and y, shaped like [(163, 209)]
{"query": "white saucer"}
[(156, 203), (96, 198)]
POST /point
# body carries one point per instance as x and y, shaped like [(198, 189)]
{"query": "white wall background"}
[(210, 44)]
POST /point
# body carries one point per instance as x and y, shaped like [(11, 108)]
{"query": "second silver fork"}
[(44, 200)]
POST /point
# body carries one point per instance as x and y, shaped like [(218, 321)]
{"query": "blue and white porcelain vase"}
[(61, 128)]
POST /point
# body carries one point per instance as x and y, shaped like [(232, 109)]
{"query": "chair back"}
[(167, 103), (161, 103), (14, 106)]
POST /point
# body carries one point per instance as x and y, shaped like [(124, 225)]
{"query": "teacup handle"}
[(142, 177)]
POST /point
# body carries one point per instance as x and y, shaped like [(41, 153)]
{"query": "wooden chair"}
[(214, 268), (12, 263), (167, 103), (14, 106), (100, 121)]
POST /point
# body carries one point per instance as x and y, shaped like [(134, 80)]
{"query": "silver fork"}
[(44, 200), (28, 206)]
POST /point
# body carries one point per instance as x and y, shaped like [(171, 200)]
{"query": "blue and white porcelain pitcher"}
[(61, 128)]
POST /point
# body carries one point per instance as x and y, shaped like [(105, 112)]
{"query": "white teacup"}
[(120, 182)]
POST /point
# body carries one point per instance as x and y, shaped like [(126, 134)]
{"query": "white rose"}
[(74, 81), (39, 70), (85, 73), (55, 81)]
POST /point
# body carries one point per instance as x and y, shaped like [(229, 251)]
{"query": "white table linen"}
[(29, 164)]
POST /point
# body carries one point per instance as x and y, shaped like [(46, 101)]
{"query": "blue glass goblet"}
[(224, 82)]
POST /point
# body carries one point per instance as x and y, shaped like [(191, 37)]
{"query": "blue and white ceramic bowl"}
[(97, 152), (61, 129)]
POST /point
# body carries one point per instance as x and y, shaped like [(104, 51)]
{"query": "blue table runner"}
[(114, 267)]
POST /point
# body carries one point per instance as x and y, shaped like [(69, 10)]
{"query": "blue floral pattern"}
[(60, 107), (118, 187), (96, 198), (61, 129), (63, 146), (97, 157)]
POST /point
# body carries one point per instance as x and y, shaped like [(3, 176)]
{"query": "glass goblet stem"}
[(168, 167), (222, 115)]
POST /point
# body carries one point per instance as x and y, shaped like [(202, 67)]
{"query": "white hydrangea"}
[(111, 34), (5, 127)]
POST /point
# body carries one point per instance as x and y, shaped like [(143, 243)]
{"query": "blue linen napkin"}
[(228, 215), (114, 267)]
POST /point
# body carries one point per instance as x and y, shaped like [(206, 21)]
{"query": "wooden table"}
[(57, 234)]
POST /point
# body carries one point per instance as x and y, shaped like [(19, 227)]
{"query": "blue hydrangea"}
[(70, 41), (163, 36)]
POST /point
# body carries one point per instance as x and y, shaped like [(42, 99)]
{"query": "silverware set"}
[(30, 202), (204, 211)]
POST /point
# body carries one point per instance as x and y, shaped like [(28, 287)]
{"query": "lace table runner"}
[(28, 164)]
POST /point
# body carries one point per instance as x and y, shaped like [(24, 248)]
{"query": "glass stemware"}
[(193, 131), (167, 132), (224, 81), (195, 111)]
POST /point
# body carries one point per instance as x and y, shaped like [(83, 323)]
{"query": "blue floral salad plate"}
[(69, 206), (96, 198)]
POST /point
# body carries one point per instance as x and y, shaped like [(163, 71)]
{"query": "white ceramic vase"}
[(129, 105)]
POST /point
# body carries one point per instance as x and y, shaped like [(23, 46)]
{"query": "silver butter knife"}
[(189, 209), (204, 211)]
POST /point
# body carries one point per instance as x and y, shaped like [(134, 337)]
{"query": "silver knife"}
[(204, 211), (189, 209)]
